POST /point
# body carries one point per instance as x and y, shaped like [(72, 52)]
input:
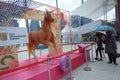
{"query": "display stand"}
[(49, 72), (92, 52), (70, 77), (85, 50), (87, 68)]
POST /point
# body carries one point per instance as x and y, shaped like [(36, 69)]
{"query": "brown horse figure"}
[(43, 36)]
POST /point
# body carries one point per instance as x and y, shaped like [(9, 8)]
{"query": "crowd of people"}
[(110, 47)]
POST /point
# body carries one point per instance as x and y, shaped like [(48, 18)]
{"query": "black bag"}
[(117, 55)]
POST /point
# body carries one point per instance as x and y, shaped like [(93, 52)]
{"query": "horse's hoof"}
[(36, 59), (48, 55)]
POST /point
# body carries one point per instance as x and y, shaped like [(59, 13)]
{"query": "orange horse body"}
[(43, 36)]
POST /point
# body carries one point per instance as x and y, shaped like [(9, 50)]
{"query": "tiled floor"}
[(100, 70)]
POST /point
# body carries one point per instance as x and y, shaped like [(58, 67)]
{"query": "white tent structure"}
[(90, 27), (76, 33), (68, 33), (94, 9)]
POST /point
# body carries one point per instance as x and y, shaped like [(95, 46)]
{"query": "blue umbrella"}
[(105, 28)]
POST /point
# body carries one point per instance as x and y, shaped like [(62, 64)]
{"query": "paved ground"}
[(100, 70)]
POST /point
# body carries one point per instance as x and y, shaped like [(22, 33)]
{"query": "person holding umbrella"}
[(110, 47), (99, 46)]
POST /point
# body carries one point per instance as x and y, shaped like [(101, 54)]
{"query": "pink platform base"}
[(40, 72)]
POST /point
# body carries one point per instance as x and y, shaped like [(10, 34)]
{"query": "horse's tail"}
[(28, 50), (29, 45)]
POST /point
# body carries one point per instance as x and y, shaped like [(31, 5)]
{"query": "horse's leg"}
[(30, 46), (32, 51), (53, 41), (34, 55), (50, 49), (29, 50), (49, 44)]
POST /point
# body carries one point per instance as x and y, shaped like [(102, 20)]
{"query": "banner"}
[(34, 15), (13, 35), (57, 34), (8, 57)]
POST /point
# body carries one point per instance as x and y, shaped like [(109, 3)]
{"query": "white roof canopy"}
[(93, 8)]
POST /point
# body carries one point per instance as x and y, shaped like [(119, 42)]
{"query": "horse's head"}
[(48, 16)]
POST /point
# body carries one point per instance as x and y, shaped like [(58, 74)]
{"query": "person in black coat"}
[(99, 46), (110, 48)]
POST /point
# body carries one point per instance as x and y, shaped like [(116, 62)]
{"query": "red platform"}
[(40, 71)]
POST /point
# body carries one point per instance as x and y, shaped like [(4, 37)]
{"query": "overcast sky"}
[(63, 4)]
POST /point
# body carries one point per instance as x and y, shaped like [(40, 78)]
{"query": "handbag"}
[(117, 55)]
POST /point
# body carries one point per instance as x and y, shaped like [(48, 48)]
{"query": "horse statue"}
[(43, 36)]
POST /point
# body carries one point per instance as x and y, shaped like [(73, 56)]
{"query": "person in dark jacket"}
[(110, 47), (99, 46)]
